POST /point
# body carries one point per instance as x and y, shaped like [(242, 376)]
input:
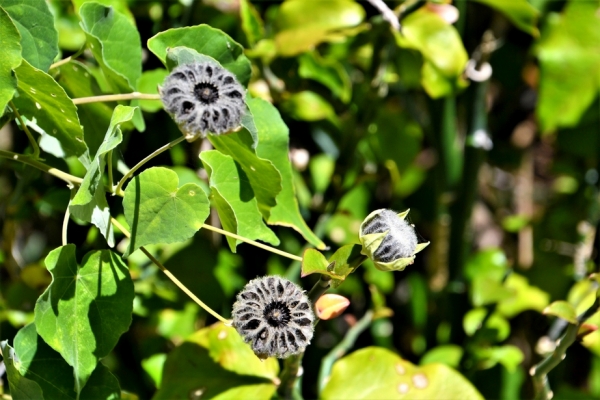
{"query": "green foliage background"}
[(346, 115)]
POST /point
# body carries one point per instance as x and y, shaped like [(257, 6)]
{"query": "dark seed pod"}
[(202, 98), (400, 241), (274, 316)]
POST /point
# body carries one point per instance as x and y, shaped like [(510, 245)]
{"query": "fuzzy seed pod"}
[(202, 98), (274, 316), (389, 240)]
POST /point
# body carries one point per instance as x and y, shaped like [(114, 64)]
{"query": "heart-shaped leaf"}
[(10, 58), (384, 375), (40, 363), (235, 199), (160, 212), (205, 40), (35, 22), (85, 309), (116, 45)]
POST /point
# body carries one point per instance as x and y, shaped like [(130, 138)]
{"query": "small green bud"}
[(389, 240)]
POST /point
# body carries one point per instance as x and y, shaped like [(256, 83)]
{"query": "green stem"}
[(170, 275), (70, 179), (158, 151), (289, 376), (343, 347), (110, 172), (32, 141), (252, 242), (65, 225), (319, 288), (540, 371), (116, 97), (68, 59)]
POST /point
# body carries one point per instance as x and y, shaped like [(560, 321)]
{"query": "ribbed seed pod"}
[(203, 98), (401, 240), (274, 316)]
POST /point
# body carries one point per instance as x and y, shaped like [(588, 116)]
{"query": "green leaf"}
[(569, 54), (508, 355), (341, 264), (522, 14), (523, 297), (384, 375), (449, 354), (216, 363), (321, 167), (330, 73), (263, 176), (35, 22), (273, 145), (85, 309), (309, 106), (149, 83), (40, 363), (443, 52), (498, 326), (10, 58), (117, 47), (78, 81), (562, 309), (235, 200), (20, 387), (252, 24), (89, 203), (118, 5), (305, 24), (205, 40), (153, 366), (160, 212), (49, 110), (313, 261)]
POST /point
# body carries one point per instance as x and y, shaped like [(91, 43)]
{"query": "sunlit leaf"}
[(508, 355), (216, 363), (35, 22), (449, 354), (308, 106), (89, 203), (159, 211), (569, 53), (48, 109), (20, 387), (523, 297), (442, 49), (384, 375), (562, 309), (522, 14), (205, 40), (303, 25), (87, 307), (10, 58), (235, 200)]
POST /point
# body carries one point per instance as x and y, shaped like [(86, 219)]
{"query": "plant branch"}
[(116, 97), (252, 242), (319, 288), (343, 347), (65, 225), (289, 376), (540, 371), (68, 59), (158, 151), (110, 172), (70, 179), (32, 141), (387, 14), (170, 275)]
